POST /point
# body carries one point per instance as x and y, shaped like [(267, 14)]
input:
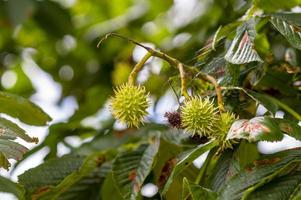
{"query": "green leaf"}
[(263, 171), (39, 179), (229, 163), (289, 26), (257, 74), (264, 99), (242, 50), (108, 191), (290, 17), (22, 109), (101, 142), (255, 129), (278, 189), (185, 159), (224, 31), (89, 165), (53, 18), (225, 168), (88, 187), (271, 131), (11, 130), (297, 194), (9, 186), (289, 127), (270, 5), (264, 129), (246, 153), (4, 162), (132, 167), (271, 103), (196, 192), (12, 149)]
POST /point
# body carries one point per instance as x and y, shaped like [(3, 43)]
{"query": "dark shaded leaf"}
[(225, 168), (185, 159), (263, 171), (131, 168), (196, 192), (9, 186), (53, 18), (281, 188), (86, 169), (40, 179)]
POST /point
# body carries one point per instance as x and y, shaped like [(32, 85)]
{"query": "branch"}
[(183, 80), (137, 68), (172, 61)]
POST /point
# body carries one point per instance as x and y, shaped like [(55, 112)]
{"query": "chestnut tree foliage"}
[(221, 64)]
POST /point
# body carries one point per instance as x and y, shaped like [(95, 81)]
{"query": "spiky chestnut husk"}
[(174, 119), (129, 104), (199, 116), (222, 128)]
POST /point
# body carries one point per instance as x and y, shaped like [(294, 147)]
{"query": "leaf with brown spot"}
[(266, 161), (185, 159), (166, 171), (131, 168), (242, 49), (132, 175), (40, 192)]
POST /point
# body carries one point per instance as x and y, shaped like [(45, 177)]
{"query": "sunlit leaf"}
[(22, 109), (242, 47), (12, 149), (258, 128), (289, 26), (270, 5), (11, 130)]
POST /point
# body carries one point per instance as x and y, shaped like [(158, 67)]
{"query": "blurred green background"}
[(61, 36), (49, 54)]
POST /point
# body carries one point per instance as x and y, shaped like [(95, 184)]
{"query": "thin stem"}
[(174, 91), (218, 90), (239, 88), (183, 80), (172, 61), (137, 68), (122, 37)]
